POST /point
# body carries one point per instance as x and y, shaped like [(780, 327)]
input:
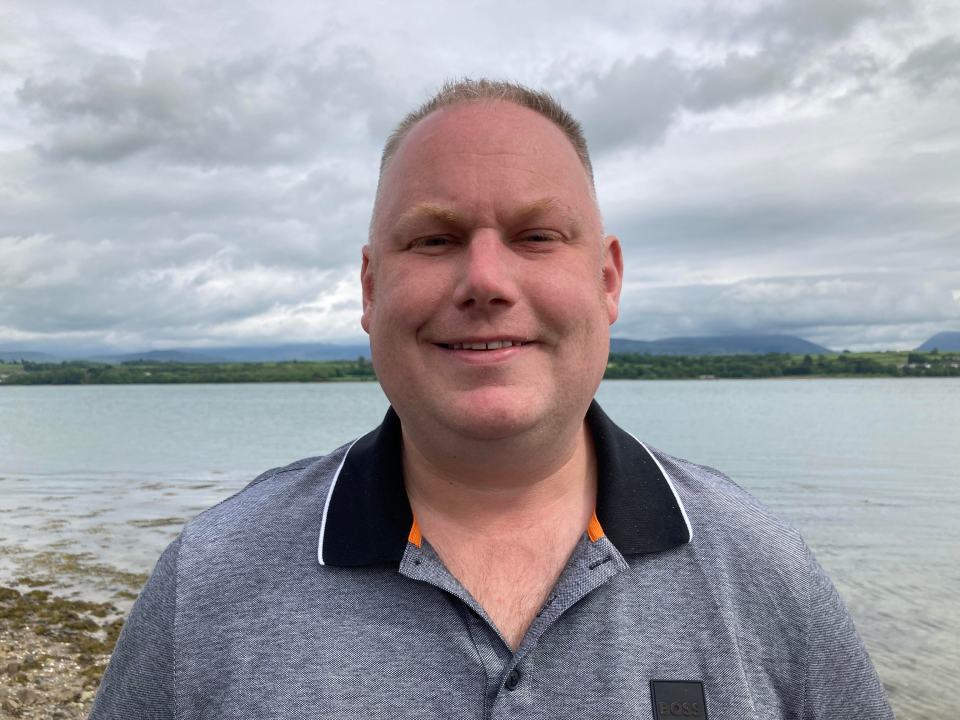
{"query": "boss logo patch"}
[(676, 699)]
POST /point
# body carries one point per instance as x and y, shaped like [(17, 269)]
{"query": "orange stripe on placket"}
[(594, 529), (415, 537)]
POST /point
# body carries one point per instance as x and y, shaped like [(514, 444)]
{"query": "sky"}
[(200, 174)]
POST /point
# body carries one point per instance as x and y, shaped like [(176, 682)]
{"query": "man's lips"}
[(484, 351), (481, 345)]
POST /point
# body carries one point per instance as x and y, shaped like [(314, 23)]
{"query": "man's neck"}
[(504, 494), (506, 536)]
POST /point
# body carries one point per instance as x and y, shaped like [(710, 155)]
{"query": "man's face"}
[(488, 287)]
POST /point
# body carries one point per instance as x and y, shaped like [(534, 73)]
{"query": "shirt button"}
[(513, 679)]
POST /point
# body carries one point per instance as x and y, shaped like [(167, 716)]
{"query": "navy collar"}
[(367, 516)]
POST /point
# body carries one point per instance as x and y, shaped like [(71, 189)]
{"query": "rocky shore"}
[(53, 652)]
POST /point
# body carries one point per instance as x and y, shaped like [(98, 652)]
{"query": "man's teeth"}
[(495, 345)]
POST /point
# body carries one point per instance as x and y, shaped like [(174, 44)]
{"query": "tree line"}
[(632, 366), (147, 372), (774, 365)]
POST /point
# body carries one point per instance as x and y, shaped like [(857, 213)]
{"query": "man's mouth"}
[(491, 345)]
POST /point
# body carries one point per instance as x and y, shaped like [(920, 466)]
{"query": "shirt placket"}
[(591, 564)]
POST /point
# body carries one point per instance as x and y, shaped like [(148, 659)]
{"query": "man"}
[(497, 547)]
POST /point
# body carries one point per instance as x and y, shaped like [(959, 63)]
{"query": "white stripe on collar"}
[(326, 504), (666, 476)]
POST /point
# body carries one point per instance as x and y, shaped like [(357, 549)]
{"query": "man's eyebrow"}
[(429, 211), (542, 207)]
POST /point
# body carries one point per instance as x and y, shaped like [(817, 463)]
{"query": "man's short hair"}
[(467, 90)]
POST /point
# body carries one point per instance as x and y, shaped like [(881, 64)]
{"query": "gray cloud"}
[(633, 101), (932, 65), (780, 49), (259, 109), (739, 78), (173, 177), (788, 21), (861, 225), (185, 285), (839, 311)]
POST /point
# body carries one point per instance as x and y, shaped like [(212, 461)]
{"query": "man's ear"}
[(366, 283), (612, 275)]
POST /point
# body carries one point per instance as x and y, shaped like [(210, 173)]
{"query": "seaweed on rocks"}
[(53, 652)]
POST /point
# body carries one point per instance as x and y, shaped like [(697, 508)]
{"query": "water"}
[(94, 481)]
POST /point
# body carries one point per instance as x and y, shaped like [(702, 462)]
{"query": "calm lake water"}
[(96, 480)]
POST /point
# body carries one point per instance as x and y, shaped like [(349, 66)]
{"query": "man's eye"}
[(538, 238), (429, 242)]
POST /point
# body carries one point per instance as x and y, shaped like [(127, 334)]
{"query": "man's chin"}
[(491, 419)]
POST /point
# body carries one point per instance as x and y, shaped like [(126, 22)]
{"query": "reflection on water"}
[(95, 481), (96, 537)]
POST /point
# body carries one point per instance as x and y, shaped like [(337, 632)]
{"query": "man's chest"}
[(510, 586), (363, 650)]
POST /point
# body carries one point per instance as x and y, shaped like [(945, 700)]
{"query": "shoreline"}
[(619, 366), (367, 381)]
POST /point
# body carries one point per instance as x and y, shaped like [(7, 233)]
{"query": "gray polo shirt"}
[(310, 594)]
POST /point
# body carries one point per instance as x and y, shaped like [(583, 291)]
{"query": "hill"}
[(243, 354), (694, 346), (301, 351), (31, 355), (170, 356), (719, 345), (941, 341)]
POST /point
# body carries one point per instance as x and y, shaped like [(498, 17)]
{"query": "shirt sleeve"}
[(139, 680), (841, 680)]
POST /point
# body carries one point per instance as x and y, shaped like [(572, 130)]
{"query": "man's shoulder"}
[(755, 564), (282, 503), (726, 520)]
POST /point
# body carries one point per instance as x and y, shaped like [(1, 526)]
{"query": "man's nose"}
[(488, 273)]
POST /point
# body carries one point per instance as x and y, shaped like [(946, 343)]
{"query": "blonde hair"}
[(467, 90)]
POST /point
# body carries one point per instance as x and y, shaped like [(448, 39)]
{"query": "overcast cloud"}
[(195, 174)]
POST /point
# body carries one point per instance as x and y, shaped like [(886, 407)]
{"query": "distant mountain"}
[(261, 353), (244, 353), (719, 345), (180, 356), (942, 341), (712, 345), (302, 351), (32, 356)]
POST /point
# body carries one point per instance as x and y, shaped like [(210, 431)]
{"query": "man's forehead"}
[(497, 132), (488, 160), (484, 127)]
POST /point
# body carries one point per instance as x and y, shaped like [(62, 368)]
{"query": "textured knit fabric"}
[(241, 620)]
